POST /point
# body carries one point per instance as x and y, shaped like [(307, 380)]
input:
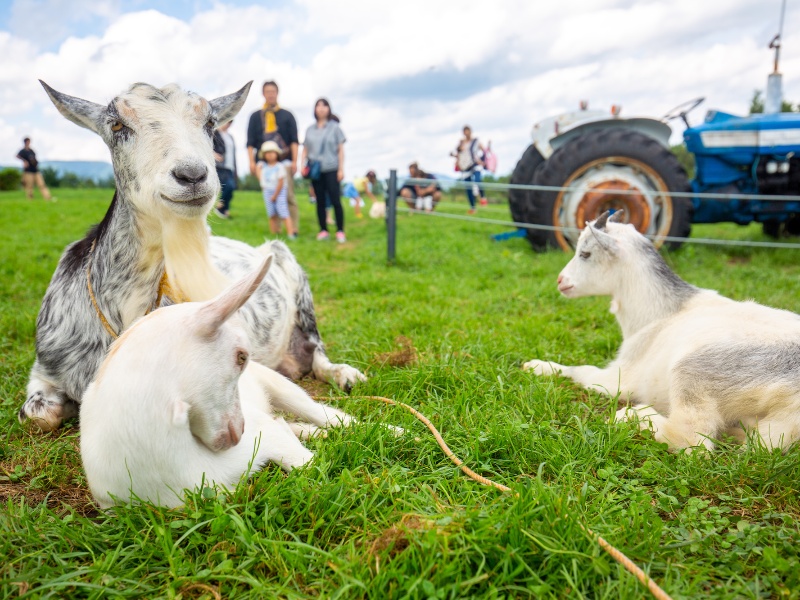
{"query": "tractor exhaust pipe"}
[(774, 98)]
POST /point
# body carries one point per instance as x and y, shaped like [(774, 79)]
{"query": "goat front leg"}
[(341, 374), (276, 442), (605, 381), (46, 406), (290, 397)]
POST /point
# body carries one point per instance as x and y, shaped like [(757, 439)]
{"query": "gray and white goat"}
[(693, 364), (161, 148), (177, 403)]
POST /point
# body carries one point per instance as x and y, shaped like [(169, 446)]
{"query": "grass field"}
[(445, 329)]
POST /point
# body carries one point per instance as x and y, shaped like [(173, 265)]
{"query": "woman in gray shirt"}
[(324, 142)]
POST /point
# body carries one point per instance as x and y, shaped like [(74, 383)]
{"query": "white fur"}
[(177, 403), (694, 364)]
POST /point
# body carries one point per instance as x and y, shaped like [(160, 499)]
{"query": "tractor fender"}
[(653, 128)]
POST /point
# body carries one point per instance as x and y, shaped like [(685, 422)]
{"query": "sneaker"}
[(340, 237), (471, 211), (220, 214), (292, 236), (323, 235)]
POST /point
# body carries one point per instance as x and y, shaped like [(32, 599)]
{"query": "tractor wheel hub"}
[(615, 194)]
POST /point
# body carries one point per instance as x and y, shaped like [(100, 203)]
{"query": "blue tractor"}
[(610, 162)]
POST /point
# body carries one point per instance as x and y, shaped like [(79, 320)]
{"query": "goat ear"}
[(227, 107), (215, 312), (81, 112), (618, 216), (604, 240)]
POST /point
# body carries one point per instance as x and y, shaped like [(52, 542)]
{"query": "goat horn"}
[(617, 216), (601, 221)]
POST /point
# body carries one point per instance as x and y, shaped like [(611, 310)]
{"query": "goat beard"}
[(187, 260)]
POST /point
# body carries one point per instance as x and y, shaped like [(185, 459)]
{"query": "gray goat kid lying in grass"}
[(177, 403), (694, 364), (155, 232)]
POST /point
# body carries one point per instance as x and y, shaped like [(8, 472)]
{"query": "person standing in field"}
[(272, 175), (324, 144), (225, 162), (273, 123), (30, 172), (469, 161)]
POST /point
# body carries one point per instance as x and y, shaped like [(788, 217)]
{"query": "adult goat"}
[(693, 364), (152, 248)]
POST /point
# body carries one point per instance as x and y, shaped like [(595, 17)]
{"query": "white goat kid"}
[(693, 364), (177, 403), (161, 149)]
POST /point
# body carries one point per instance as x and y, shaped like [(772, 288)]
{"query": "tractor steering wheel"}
[(683, 109)]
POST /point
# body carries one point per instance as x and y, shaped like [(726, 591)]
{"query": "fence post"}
[(391, 216)]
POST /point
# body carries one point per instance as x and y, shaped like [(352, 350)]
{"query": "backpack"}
[(490, 159)]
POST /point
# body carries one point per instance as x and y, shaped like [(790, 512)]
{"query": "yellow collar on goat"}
[(164, 290)]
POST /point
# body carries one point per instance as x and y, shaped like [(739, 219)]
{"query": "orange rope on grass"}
[(614, 552)]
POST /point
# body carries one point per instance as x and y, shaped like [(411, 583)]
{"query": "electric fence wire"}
[(572, 230)]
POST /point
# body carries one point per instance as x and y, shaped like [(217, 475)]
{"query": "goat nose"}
[(190, 174), (235, 434), (560, 279)]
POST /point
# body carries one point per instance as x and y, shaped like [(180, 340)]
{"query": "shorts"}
[(350, 191), (279, 208)]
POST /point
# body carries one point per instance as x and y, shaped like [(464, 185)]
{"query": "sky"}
[(404, 77)]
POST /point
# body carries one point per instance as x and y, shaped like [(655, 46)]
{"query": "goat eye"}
[(116, 126), (241, 358), (584, 255)]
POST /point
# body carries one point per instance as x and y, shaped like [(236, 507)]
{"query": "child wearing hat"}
[(272, 176)]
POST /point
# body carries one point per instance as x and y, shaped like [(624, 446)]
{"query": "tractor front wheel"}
[(610, 169)]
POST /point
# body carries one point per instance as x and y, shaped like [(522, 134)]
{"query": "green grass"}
[(375, 516)]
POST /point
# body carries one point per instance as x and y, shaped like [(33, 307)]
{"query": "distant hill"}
[(91, 169)]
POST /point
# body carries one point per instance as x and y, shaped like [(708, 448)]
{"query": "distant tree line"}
[(11, 179), (757, 104)]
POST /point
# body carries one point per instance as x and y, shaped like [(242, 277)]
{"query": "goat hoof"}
[(42, 413), (539, 367), (346, 377), (46, 414)]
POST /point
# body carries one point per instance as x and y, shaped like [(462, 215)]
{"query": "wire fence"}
[(463, 184), (457, 185)]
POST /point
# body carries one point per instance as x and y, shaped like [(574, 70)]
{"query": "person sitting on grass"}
[(272, 176), (420, 197)]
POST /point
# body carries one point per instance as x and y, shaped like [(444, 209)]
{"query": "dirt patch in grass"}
[(404, 356), (395, 539), (314, 387), (76, 497)]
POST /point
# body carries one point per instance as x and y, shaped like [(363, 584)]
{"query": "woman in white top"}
[(469, 160)]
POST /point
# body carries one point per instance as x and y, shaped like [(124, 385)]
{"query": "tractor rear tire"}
[(520, 202), (606, 161)]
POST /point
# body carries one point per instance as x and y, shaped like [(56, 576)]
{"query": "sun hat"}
[(269, 146)]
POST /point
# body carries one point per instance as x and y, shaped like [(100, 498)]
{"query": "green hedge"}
[(10, 179)]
